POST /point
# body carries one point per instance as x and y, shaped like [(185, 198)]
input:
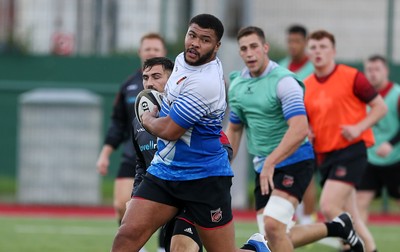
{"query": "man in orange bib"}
[(336, 101)]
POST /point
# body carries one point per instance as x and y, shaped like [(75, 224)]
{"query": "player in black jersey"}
[(119, 131), (155, 75)]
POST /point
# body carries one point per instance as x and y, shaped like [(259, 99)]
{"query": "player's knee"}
[(271, 225), (184, 248), (119, 206), (327, 210), (180, 243)]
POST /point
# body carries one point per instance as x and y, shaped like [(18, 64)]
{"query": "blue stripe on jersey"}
[(295, 113), (304, 152), (188, 109), (233, 118), (292, 104)]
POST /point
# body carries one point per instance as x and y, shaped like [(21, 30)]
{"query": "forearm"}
[(161, 127), (377, 111), (106, 151), (290, 142), (234, 136)]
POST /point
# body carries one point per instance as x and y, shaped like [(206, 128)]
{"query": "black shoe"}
[(349, 234)]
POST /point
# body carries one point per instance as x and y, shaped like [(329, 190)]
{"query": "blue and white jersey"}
[(195, 100)]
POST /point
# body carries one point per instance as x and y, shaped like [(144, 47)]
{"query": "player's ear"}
[(217, 46), (266, 47)]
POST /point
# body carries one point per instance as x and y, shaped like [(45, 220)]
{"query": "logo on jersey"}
[(140, 130), (180, 80), (150, 146), (248, 91), (216, 215), (287, 181), (341, 171)]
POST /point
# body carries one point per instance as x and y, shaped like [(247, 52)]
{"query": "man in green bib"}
[(383, 169), (267, 101)]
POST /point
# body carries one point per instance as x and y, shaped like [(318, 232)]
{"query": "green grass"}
[(96, 235)]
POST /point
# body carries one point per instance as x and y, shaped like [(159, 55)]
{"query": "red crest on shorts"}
[(216, 215), (287, 181), (341, 171)]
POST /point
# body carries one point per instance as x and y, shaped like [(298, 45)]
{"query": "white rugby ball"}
[(146, 100)]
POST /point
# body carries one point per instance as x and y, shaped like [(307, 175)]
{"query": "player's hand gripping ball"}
[(146, 100)]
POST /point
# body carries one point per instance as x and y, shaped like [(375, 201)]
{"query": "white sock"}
[(260, 223)]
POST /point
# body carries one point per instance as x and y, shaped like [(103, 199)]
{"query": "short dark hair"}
[(246, 31), (377, 57), (208, 21), (320, 34), (153, 35), (166, 63), (297, 29)]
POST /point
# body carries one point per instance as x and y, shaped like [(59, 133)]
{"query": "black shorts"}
[(207, 200), (346, 165), (182, 224), (126, 170), (292, 179), (377, 177)]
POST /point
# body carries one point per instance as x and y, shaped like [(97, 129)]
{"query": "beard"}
[(202, 59)]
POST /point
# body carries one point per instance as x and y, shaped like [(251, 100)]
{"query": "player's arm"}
[(291, 141), (103, 160), (234, 132), (116, 133), (366, 93), (120, 125), (291, 95), (193, 103), (386, 147), (163, 127)]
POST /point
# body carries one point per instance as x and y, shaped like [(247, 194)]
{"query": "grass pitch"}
[(96, 235)]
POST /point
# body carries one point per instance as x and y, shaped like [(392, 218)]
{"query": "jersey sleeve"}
[(291, 95), (234, 118), (363, 89), (194, 102)]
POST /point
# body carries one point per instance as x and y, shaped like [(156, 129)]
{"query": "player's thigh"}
[(294, 179), (123, 189), (123, 183), (335, 194), (208, 201), (364, 198), (143, 217), (218, 239)]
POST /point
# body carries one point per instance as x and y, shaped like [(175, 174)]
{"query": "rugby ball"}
[(146, 100)]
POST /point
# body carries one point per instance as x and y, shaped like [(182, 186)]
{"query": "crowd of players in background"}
[(342, 131)]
